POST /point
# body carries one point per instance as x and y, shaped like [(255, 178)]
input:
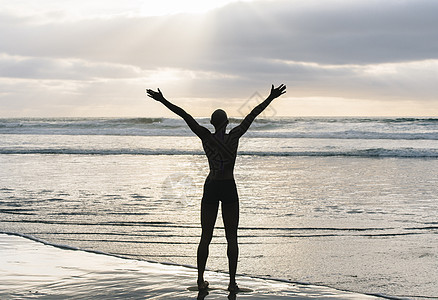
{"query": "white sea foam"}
[(334, 128), (349, 137), (371, 152)]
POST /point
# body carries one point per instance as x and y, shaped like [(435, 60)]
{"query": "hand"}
[(277, 92), (155, 95)]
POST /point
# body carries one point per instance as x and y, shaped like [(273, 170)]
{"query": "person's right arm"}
[(247, 121), (199, 130)]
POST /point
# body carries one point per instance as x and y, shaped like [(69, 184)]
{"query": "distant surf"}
[(315, 137), (379, 152), (321, 128)]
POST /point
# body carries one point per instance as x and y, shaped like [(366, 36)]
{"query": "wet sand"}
[(31, 269)]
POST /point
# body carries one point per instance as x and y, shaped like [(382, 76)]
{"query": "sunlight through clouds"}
[(341, 52), (166, 7), (83, 9)]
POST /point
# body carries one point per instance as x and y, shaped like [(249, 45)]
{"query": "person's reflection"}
[(202, 294), (232, 296)]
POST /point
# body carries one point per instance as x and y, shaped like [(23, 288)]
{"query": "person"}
[(221, 151)]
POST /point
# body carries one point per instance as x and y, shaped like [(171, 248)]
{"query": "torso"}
[(221, 151)]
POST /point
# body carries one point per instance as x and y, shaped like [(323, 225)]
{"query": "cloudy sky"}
[(78, 58)]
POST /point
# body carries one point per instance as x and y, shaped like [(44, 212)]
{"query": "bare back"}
[(221, 152)]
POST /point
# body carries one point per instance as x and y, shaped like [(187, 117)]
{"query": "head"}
[(219, 119)]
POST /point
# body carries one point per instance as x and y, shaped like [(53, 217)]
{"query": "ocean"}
[(349, 203)]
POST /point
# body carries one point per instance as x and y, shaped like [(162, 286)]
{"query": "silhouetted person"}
[(221, 151)]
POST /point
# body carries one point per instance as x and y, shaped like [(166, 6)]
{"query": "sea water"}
[(349, 203)]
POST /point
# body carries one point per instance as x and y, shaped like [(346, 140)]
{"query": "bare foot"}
[(232, 287), (202, 285)]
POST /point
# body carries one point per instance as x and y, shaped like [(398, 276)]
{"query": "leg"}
[(230, 216), (208, 219)]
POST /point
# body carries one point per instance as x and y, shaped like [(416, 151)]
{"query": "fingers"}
[(280, 87), (280, 90), (283, 90), (152, 93)]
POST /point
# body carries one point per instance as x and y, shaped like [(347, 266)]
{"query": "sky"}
[(76, 58)]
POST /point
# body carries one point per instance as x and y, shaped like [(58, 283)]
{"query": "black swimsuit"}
[(220, 190)]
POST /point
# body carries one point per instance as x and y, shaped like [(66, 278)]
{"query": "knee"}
[(206, 239), (231, 238)]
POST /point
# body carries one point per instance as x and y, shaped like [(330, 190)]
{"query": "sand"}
[(32, 269)]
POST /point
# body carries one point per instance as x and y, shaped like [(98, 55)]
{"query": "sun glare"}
[(79, 9), (167, 7)]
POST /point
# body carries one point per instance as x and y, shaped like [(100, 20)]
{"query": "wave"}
[(347, 135), (323, 128), (372, 152), (246, 232)]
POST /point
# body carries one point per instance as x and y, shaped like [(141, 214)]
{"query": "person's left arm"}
[(199, 130), (247, 121)]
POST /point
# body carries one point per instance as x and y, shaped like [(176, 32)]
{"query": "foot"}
[(202, 285), (232, 287)]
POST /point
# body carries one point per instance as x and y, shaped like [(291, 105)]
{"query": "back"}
[(221, 151)]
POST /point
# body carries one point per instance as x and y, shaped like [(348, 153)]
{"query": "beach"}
[(30, 269), (343, 203)]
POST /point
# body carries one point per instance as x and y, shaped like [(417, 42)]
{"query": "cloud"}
[(63, 69), (386, 50), (329, 32)]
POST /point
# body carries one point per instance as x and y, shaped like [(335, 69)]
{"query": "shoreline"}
[(34, 268)]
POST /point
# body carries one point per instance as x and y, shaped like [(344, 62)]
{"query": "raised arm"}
[(247, 121), (199, 130)]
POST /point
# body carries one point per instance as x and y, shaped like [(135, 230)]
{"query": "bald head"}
[(219, 119)]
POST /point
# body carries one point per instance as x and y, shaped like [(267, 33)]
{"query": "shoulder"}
[(204, 134), (236, 132)]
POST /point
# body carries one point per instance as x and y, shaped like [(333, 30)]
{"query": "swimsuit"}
[(220, 190)]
